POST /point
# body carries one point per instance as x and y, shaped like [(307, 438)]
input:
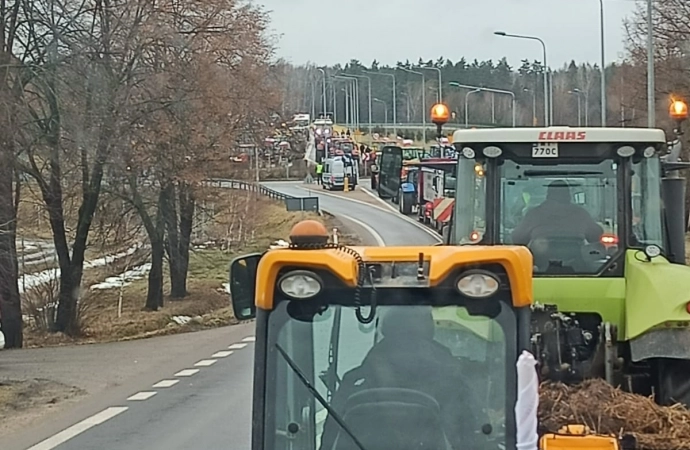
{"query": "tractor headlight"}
[(478, 284), (300, 284)]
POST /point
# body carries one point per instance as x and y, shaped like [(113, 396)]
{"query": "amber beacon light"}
[(678, 110), (440, 114)]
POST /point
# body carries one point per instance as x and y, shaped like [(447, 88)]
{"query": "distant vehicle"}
[(335, 170)]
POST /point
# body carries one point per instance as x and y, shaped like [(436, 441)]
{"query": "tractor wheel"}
[(674, 383), (406, 204)]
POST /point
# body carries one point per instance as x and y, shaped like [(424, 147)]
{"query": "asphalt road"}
[(181, 395), (391, 226)]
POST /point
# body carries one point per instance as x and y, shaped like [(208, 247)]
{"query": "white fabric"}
[(527, 402)]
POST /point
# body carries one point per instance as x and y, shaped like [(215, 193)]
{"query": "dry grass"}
[(207, 304), (17, 397), (608, 410)]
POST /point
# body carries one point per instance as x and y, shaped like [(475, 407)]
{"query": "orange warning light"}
[(678, 110), (440, 114)]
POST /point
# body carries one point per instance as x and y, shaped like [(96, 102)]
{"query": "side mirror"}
[(243, 285)]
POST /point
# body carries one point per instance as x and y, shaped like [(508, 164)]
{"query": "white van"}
[(333, 176)]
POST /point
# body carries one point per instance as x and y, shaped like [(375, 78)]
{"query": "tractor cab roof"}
[(559, 134)]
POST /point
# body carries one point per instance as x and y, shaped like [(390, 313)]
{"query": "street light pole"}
[(480, 88), (440, 81), (423, 98), (578, 93), (603, 67), (369, 95), (355, 97), (385, 113), (547, 101), (467, 108), (323, 92), (651, 103), (395, 102)]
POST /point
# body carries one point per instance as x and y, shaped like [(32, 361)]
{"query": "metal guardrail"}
[(292, 203)]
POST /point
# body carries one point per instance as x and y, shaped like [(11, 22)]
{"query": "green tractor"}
[(603, 212)]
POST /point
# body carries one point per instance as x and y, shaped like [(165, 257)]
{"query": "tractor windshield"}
[(416, 374), (567, 214)]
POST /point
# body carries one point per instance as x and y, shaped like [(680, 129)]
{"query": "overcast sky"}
[(330, 31)]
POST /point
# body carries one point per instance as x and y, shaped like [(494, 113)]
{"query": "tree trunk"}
[(179, 236), (187, 206), (154, 295), (169, 209), (10, 302), (156, 234), (67, 306)]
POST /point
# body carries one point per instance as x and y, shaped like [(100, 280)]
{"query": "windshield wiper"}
[(312, 390)]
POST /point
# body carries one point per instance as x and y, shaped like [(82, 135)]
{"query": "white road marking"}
[(186, 372), (236, 346), (166, 383), (404, 217), (249, 339), (205, 363), (139, 396), (222, 354), (377, 237), (78, 428), (388, 210)]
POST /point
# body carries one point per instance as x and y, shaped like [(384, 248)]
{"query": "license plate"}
[(545, 150)]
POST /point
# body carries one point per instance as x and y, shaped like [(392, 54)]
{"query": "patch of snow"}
[(280, 243), (226, 287), (30, 281), (124, 279), (181, 320)]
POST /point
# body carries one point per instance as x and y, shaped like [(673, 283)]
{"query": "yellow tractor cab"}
[(381, 348)]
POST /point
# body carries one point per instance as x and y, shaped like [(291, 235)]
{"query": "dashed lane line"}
[(140, 396), (187, 372), (206, 362), (108, 413), (165, 384), (78, 428)]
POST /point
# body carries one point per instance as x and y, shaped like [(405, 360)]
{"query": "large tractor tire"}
[(406, 203), (674, 382)]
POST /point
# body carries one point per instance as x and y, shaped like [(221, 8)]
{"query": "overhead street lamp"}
[(577, 93), (467, 108), (385, 114), (480, 89), (323, 72), (534, 105), (440, 80), (355, 96), (369, 96), (395, 103), (580, 93), (603, 67), (423, 97), (548, 102), (651, 100)]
